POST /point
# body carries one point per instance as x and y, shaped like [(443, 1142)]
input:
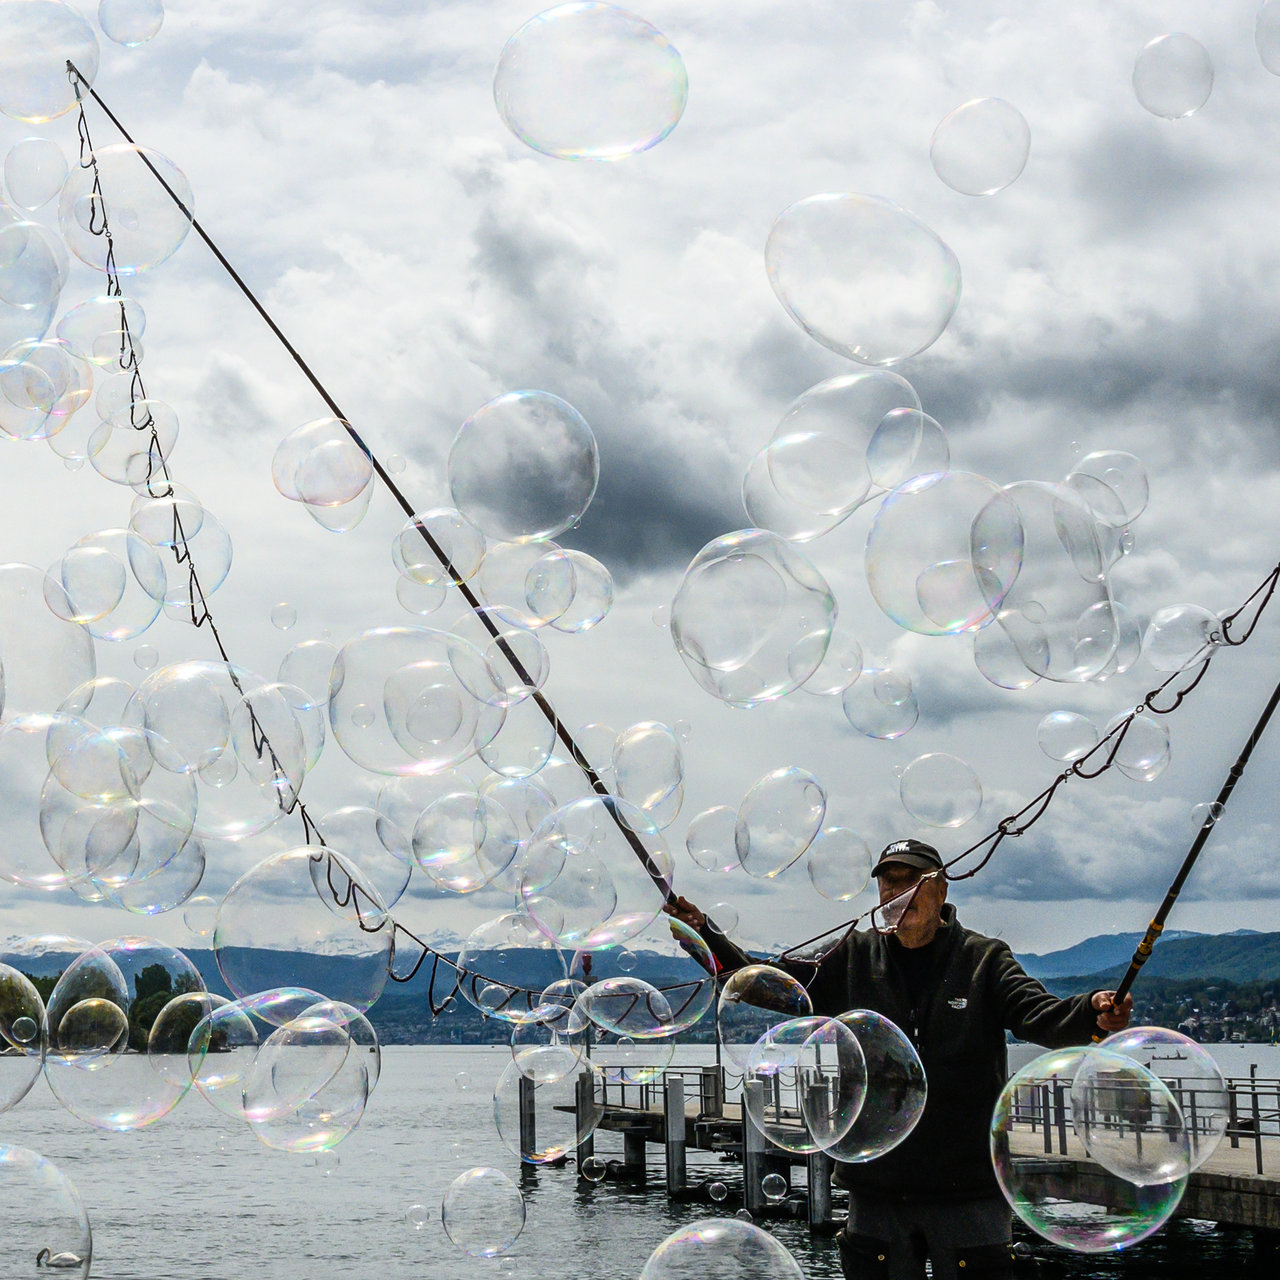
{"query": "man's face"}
[(926, 907)]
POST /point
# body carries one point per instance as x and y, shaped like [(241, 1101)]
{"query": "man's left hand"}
[(1112, 1017)]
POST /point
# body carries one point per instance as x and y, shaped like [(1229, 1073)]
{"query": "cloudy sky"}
[(1122, 294)]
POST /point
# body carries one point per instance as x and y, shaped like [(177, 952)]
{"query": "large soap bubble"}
[(120, 193), (921, 564), (411, 700), (804, 1084), (881, 703), (130, 22), (566, 1111), (895, 1086), (37, 40), (34, 171), (862, 276), (589, 81), (45, 1222), (1266, 35), (1192, 1076), (1173, 76), (463, 841), (1066, 735), (502, 966), (1180, 635), (1114, 484), (839, 863), (289, 920), (648, 763), (524, 466), (1056, 607), (804, 455), (980, 147), (1141, 748), (940, 790), (1044, 1196), (752, 617), (482, 1212), (721, 1249), (24, 1035), (45, 657), (754, 1000), (595, 873), (1128, 1120), (777, 820)]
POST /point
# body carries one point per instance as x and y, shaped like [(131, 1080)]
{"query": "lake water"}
[(197, 1197)]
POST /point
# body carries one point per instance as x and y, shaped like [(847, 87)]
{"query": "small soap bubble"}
[(589, 81), (483, 1212), (145, 657), (34, 171), (744, 1215), (362, 715), (1266, 35), (1173, 76), (722, 918), (981, 147), (1205, 814), (327, 1162), (130, 22), (774, 1187), (396, 465), (200, 915), (462, 1081), (594, 1169), (457, 1151), (283, 616), (1066, 736), (717, 1191), (417, 1216), (661, 616), (627, 960)]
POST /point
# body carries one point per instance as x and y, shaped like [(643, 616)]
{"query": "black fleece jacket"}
[(974, 991)]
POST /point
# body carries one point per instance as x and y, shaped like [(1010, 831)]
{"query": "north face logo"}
[(959, 1003)]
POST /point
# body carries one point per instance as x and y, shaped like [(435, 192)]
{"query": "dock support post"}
[(528, 1126), (677, 1168), (819, 1171), (754, 1148), (712, 1092), (583, 1106), (633, 1147)]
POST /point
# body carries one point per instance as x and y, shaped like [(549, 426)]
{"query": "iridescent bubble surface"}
[(981, 147)]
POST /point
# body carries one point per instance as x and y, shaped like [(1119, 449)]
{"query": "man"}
[(955, 993)]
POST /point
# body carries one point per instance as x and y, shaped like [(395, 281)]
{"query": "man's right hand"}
[(687, 913)]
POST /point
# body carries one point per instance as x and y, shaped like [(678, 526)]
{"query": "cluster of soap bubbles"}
[(129, 1029), (1148, 1106)]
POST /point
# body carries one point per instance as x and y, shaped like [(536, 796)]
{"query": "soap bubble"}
[(516, 654), (774, 1187), (981, 147), (1055, 605), (777, 820), (881, 703), (1266, 35), (940, 790), (1040, 1195), (584, 883), (804, 454), (37, 39), (44, 1217), (464, 840), (838, 670), (482, 1212), (717, 1191), (24, 1036), (417, 1216), (98, 331), (1206, 814), (1066, 735), (711, 840), (721, 1249), (594, 1169), (592, 590), (804, 1083), (502, 962), (997, 659), (752, 617), (589, 81), (753, 1001), (524, 744), (524, 466), (169, 1040), (34, 171), (920, 562), (1142, 750), (1128, 1120), (1191, 1075), (531, 584), (839, 864), (462, 544), (895, 1085), (560, 1125), (430, 699), (628, 1006), (906, 444), (371, 841), (289, 916), (648, 764), (146, 226), (320, 464), (862, 276), (1114, 484), (130, 22), (1173, 76), (1180, 635)]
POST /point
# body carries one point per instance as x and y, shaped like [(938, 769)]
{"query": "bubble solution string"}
[(346, 891), (159, 484)]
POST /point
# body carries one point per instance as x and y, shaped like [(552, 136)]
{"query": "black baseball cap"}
[(909, 853)]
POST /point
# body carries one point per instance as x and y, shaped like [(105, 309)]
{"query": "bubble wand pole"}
[(1156, 927), (596, 783)]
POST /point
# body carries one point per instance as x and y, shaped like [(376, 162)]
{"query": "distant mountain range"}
[(1244, 955)]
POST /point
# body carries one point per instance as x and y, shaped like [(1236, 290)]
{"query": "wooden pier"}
[(690, 1110)]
